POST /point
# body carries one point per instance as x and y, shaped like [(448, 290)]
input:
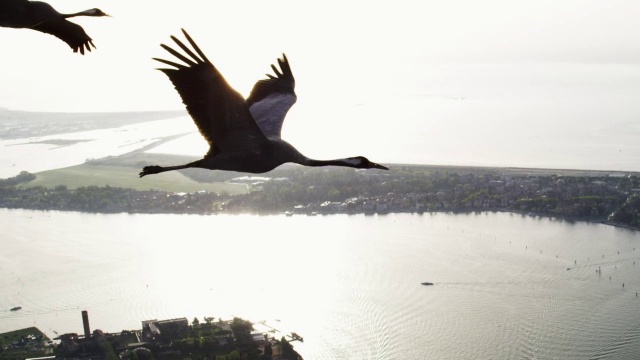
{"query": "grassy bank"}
[(126, 177), (11, 336)]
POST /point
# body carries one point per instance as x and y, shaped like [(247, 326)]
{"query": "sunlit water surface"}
[(43, 153), (350, 285)]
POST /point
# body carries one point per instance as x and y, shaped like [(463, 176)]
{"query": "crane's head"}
[(362, 162), (95, 12)]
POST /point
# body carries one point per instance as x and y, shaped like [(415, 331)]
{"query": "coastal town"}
[(170, 339), (597, 196)]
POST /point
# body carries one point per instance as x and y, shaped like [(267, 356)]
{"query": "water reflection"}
[(349, 284)]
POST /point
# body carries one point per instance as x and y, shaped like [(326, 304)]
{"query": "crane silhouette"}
[(40, 16), (243, 135)]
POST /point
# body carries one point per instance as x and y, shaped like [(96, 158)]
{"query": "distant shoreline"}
[(111, 185), (25, 124)]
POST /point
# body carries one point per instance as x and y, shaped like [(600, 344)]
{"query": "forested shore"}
[(601, 197)]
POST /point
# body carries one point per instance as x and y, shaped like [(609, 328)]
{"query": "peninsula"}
[(597, 196)]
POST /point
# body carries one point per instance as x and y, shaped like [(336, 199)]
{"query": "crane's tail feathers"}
[(195, 46)]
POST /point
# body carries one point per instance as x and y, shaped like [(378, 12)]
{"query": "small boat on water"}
[(16, 308), (427, 283)]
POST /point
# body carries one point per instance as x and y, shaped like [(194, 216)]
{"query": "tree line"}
[(596, 197)]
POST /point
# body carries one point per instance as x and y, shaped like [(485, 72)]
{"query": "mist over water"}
[(350, 285), (540, 115)]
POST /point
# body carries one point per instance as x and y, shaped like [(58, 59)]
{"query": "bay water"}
[(505, 285)]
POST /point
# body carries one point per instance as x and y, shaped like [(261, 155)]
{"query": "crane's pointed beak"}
[(378, 166)]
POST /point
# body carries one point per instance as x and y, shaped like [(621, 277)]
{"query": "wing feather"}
[(220, 113), (271, 98), (195, 46), (186, 49), (170, 63), (73, 34), (178, 55)]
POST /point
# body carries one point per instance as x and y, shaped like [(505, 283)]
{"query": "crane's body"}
[(24, 14), (262, 159), (243, 134), (40, 16)]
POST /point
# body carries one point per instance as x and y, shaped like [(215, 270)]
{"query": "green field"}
[(40, 349), (11, 336), (127, 177)]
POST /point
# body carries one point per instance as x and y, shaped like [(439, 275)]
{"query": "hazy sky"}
[(341, 44), (425, 69)]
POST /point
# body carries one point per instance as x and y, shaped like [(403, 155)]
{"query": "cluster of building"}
[(549, 195), (31, 343), (593, 196), (156, 339)]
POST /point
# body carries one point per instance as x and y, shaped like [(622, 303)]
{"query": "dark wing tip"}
[(186, 49), (170, 63), (178, 55), (195, 46), (86, 45), (190, 59), (286, 68), (275, 69), (280, 81)]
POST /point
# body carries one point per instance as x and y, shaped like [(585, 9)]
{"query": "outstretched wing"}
[(271, 98), (73, 34), (220, 113)]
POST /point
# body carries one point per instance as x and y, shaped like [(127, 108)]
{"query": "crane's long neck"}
[(288, 153), (90, 12)]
